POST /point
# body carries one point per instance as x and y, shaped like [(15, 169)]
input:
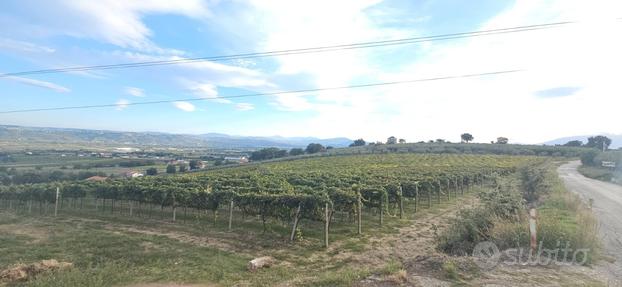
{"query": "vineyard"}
[(319, 190)]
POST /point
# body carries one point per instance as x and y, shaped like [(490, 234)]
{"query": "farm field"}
[(327, 221)]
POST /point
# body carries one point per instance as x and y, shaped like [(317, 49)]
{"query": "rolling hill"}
[(33, 136)]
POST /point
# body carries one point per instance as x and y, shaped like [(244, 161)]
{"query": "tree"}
[(358, 142), (599, 142), (296, 151), (575, 143), (195, 164), (151, 171), (171, 169), (392, 140), (588, 158), (466, 137), (402, 141), (502, 140), (315, 148), (268, 153), (183, 167), (440, 141)]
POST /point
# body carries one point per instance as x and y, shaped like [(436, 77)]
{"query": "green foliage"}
[(296, 151), (195, 164), (574, 143), (599, 142), (275, 190), (358, 142), (183, 167), (588, 157), (471, 227), (171, 168), (151, 171), (314, 148), (466, 137), (502, 140), (268, 153)]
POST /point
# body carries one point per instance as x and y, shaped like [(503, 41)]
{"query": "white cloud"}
[(116, 22), (122, 104), (22, 46), (133, 91), (583, 55), (244, 106), (185, 106), (40, 84)]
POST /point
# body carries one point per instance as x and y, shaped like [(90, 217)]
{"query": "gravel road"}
[(607, 206)]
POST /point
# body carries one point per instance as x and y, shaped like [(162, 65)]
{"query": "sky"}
[(569, 83)]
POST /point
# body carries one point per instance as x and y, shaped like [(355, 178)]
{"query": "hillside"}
[(616, 140), (16, 136)]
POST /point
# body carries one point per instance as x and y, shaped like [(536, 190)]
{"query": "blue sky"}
[(568, 71)]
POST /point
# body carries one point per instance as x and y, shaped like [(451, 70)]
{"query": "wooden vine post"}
[(326, 222), (448, 189), (429, 192), (359, 207), (401, 202), (416, 195), (461, 185), (291, 237), (56, 202), (231, 213), (381, 209), (438, 195)]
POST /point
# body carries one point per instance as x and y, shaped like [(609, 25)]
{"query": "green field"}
[(181, 228)]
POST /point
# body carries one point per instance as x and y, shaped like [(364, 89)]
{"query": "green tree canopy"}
[(466, 137), (315, 148), (358, 142), (171, 168), (599, 142), (575, 143)]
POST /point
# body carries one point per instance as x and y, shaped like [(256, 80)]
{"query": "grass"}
[(562, 219), (106, 256), (599, 173)]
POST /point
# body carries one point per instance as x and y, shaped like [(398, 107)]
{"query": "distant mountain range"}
[(33, 135), (616, 140)]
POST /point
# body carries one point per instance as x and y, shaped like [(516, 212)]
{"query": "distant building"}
[(236, 159), (96, 178), (105, 154), (132, 174)]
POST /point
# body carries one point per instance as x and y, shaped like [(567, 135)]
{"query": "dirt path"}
[(607, 206)]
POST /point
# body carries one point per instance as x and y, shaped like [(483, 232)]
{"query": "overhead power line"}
[(318, 49), (267, 94)]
